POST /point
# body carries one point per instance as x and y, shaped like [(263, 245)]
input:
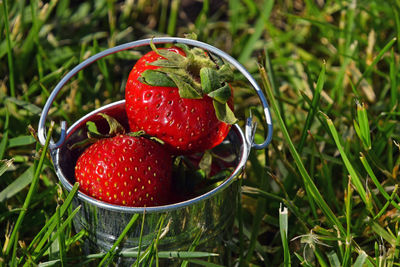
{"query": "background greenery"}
[(324, 193)]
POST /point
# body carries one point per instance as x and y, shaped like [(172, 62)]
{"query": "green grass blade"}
[(17, 185), (283, 227), (32, 190), (397, 250), (362, 127), (348, 205), (346, 48), (384, 208), (353, 174), (240, 223), (396, 16), (204, 263), (157, 239), (147, 257), (134, 254), (4, 166), (234, 7), (72, 240), (380, 231), (4, 139), (202, 19), (29, 41), (349, 25), (140, 240), (303, 262), (14, 254), (61, 237), (35, 22), (260, 206), (9, 48), (22, 140), (315, 194), (376, 60), (248, 48), (111, 22), (268, 66), (321, 260), (41, 238), (163, 16), (193, 246), (255, 192), (312, 109), (173, 17), (394, 69), (179, 254), (347, 253), (56, 235), (333, 259), (109, 255), (373, 177), (35, 110), (104, 69)]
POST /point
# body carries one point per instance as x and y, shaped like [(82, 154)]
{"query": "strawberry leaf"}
[(166, 63), (198, 52), (206, 162), (221, 94), (156, 78), (191, 35), (186, 90), (92, 128), (137, 134), (184, 47), (221, 175), (93, 133), (171, 56), (84, 143), (209, 79), (224, 113), (115, 126), (225, 73), (142, 133)]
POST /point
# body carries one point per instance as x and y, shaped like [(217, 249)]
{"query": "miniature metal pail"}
[(206, 220)]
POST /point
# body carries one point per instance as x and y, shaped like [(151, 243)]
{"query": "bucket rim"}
[(55, 154)]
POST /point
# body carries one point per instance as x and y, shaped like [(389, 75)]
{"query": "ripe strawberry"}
[(126, 170), (182, 97)]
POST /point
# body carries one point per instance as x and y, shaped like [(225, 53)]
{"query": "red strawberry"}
[(180, 96), (126, 170)]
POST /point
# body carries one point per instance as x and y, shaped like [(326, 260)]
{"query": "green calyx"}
[(195, 75), (142, 133), (94, 135), (115, 128)]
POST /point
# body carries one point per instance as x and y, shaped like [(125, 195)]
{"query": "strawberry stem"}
[(115, 126)]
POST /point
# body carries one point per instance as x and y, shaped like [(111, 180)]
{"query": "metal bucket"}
[(207, 218)]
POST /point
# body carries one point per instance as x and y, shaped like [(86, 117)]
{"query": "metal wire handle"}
[(249, 128)]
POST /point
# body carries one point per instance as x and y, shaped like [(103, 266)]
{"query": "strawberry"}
[(182, 97), (126, 170)]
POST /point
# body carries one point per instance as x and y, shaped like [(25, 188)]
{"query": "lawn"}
[(323, 192)]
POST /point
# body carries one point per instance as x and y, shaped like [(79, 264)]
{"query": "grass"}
[(324, 192)]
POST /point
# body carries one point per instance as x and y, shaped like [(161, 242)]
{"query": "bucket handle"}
[(250, 125)]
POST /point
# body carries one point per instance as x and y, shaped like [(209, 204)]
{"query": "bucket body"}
[(207, 218)]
